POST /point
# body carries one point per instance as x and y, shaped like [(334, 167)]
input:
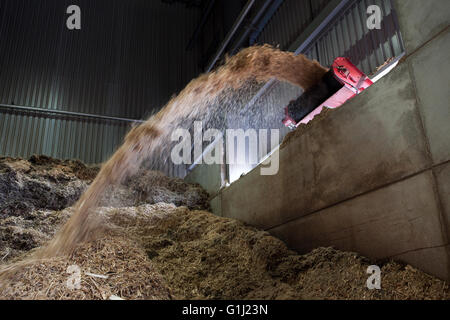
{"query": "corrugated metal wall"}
[(347, 35), (92, 141), (126, 61), (290, 20)]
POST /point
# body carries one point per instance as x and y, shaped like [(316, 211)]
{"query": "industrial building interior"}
[(224, 150)]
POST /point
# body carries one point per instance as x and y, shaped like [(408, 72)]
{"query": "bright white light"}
[(385, 70)]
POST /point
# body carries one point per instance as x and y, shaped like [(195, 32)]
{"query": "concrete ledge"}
[(398, 218), (375, 139), (401, 220)]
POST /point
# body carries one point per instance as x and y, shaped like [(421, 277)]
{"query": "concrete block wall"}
[(374, 175)]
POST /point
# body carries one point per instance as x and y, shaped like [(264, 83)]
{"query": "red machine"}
[(341, 83)]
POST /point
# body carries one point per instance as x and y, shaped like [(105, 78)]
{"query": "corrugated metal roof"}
[(290, 20)]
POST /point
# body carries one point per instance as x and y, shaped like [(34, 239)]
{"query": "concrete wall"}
[(210, 177), (374, 175)]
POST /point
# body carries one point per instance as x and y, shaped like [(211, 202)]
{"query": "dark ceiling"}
[(188, 3)]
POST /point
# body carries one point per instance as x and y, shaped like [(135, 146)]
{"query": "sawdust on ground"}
[(161, 251), (172, 251), (34, 192), (203, 256), (109, 266)]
